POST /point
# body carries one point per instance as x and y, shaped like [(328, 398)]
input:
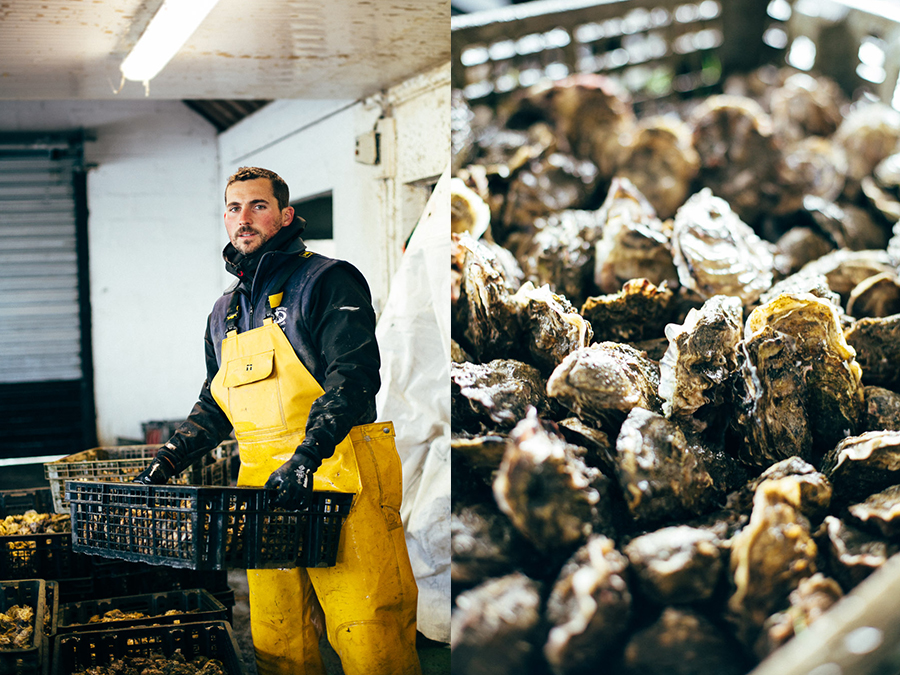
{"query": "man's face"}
[(252, 216)]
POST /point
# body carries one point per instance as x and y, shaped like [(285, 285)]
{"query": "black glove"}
[(159, 471), (293, 481)]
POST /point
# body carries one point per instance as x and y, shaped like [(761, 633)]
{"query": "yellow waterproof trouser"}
[(369, 597)]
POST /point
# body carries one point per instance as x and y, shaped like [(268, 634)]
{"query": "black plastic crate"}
[(51, 609), (195, 605), (14, 502), (226, 597), (30, 592), (73, 651), (204, 528), (36, 556)]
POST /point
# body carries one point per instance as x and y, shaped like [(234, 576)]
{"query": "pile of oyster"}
[(676, 338), (157, 664), (32, 522)]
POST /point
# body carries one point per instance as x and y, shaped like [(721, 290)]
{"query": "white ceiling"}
[(245, 49)]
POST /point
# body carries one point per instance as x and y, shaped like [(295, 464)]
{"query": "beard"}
[(248, 247)]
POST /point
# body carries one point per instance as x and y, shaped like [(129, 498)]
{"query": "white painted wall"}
[(153, 237), (155, 195)]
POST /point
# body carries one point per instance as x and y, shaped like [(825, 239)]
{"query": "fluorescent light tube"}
[(167, 32)]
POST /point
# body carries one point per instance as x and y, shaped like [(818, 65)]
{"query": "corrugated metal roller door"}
[(46, 373), (40, 330)]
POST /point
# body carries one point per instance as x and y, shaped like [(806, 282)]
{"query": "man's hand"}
[(293, 481), (158, 472)]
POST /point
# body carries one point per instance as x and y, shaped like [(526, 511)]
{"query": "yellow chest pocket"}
[(254, 397)]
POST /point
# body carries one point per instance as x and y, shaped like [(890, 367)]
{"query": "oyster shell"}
[(551, 496), (544, 186), (882, 410), (806, 106), (802, 387), (663, 474), (481, 453), (482, 544), (701, 357), (605, 380), (637, 312), (598, 451), (718, 254), (813, 166), (878, 296), (635, 243), (676, 565), (682, 642), (769, 558), (592, 113), (877, 345), (868, 133), (798, 246), (852, 554), (551, 328), (661, 162), (845, 269), (588, 607), (739, 157), (494, 395), (561, 253), (861, 465), (494, 626), (486, 313), (812, 598), (468, 211), (881, 510)]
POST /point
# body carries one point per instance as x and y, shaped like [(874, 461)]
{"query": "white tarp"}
[(414, 337)]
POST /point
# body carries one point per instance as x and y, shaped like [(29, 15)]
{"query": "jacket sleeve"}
[(341, 322), (205, 427)]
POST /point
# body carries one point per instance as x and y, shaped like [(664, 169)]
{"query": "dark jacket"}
[(326, 314)]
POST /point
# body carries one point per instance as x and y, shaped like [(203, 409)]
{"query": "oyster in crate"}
[(639, 311), (809, 601), (853, 554), (811, 167), (493, 627), (861, 465), (716, 253), (676, 565), (666, 475), (551, 328), (495, 395), (683, 642), (588, 607), (739, 156), (880, 511), (882, 410), (549, 493), (605, 381), (769, 559), (877, 345), (662, 163), (701, 357), (635, 243), (800, 383)]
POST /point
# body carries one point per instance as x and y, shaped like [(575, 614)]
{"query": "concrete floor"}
[(433, 656)]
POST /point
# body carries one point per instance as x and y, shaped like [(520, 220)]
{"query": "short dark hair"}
[(279, 187)]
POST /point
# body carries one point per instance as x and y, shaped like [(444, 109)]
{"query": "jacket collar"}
[(286, 240)]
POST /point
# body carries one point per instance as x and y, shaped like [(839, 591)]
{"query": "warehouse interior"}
[(111, 205)]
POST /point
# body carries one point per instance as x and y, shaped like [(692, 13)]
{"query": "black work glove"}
[(158, 472), (293, 482)]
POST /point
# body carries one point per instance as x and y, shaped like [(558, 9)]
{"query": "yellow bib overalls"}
[(369, 597)]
